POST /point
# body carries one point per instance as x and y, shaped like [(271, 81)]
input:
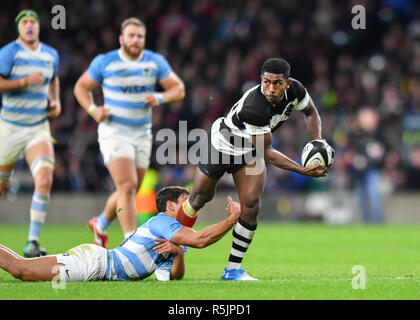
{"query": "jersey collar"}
[(127, 60), (29, 49)]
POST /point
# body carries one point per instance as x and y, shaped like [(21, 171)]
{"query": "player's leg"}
[(5, 174), (35, 269), (100, 224), (40, 158), (363, 198), (11, 146), (203, 191), (250, 189), (124, 174), (373, 180)]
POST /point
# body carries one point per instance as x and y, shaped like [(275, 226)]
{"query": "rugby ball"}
[(317, 152)]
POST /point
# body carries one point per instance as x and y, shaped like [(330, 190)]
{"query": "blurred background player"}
[(248, 127), (30, 88), (128, 77), (370, 148), (156, 246)]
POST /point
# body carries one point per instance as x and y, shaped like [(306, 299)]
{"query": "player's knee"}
[(252, 206), (44, 182), (128, 187)]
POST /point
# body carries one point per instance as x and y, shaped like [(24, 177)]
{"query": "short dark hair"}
[(169, 194), (276, 66)]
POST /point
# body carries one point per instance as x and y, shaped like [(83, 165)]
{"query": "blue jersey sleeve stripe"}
[(47, 80), (142, 240), (22, 110), (23, 124), (130, 122), (125, 104), (7, 55), (135, 261), (30, 63), (26, 95), (119, 269), (125, 73), (175, 231), (108, 265)]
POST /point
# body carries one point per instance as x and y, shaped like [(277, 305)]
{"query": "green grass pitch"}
[(292, 261)]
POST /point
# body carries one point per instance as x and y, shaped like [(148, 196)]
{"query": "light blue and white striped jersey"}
[(126, 83), (27, 106), (135, 258)]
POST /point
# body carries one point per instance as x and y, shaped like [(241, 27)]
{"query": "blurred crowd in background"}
[(365, 83)]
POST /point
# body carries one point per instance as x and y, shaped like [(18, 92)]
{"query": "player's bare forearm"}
[(11, 85), (281, 161), (54, 98), (174, 94), (174, 89), (214, 233), (83, 91), (313, 120), (54, 90), (211, 234), (178, 266)]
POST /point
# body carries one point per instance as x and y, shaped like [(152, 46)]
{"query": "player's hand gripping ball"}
[(317, 152)]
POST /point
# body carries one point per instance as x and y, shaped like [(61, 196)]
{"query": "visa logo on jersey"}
[(131, 89)]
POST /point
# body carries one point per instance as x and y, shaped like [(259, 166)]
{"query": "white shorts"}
[(115, 145), (87, 262), (15, 140)]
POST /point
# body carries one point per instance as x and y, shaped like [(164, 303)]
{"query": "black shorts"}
[(215, 164)]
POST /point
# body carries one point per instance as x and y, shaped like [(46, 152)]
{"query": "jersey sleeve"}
[(302, 96), (96, 69), (164, 69), (165, 227), (6, 58)]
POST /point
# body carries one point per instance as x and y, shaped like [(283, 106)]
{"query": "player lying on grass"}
[(156, 246)]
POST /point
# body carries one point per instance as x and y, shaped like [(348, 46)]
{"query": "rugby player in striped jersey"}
[(128, 77), (158, 246), (30, 91)]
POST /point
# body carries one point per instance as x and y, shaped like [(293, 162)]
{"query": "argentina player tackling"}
[(127, 77), (155, 247)]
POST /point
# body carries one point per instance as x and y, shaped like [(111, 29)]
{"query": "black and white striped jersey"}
[(252, 115)]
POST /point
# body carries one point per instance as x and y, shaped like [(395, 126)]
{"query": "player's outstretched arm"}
[(211, 234), (263, 143)]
